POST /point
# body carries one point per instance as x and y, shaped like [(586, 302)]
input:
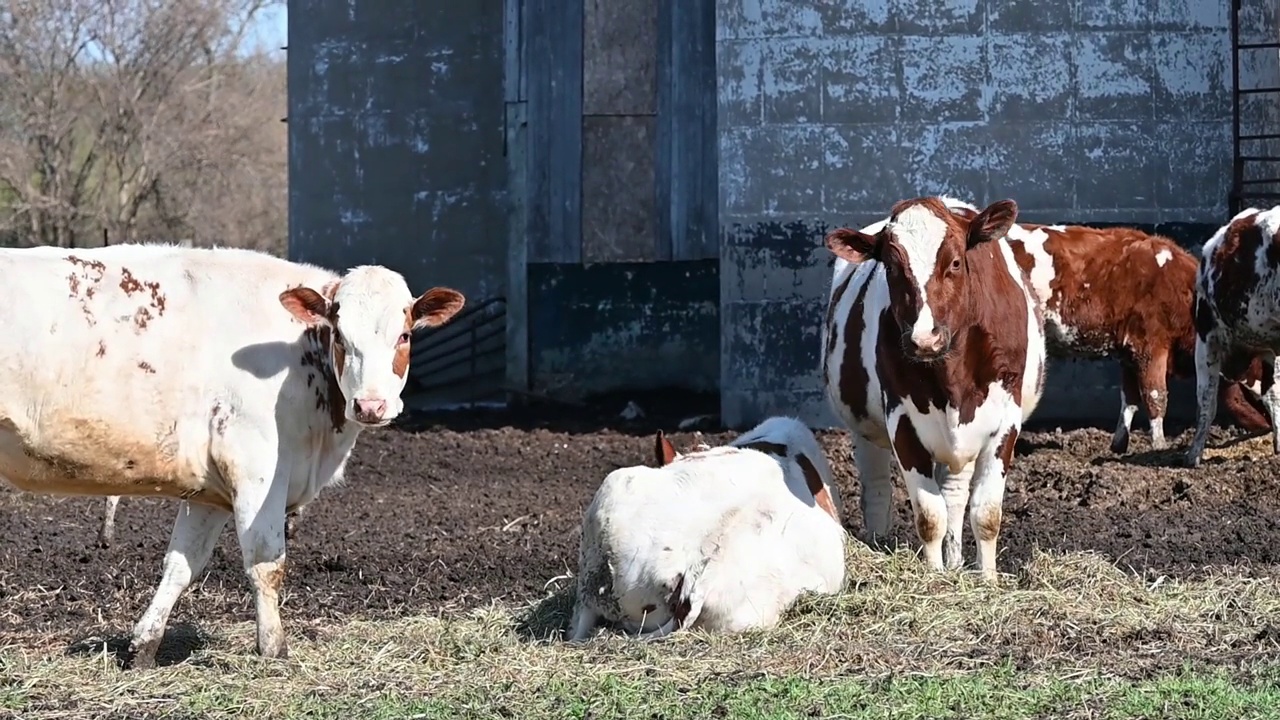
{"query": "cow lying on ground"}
[(723, 539), (934, 353), (158, 370), (1120, 293), (107, 532), (1237, 313)]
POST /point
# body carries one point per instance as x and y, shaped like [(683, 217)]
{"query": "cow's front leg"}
[(261, 486), (955, 491), (1152, 374), (927, 503), (986, 507), (1271, 398)]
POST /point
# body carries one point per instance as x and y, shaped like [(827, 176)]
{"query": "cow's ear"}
[(664, 453), (853, 246), (307, 305), (435, 307), (992, 223)]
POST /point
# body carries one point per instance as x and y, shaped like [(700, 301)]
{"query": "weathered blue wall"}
[(1085, 111), (396, 139)]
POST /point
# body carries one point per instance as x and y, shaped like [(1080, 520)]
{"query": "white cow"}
[(160, 370), (723, 539)]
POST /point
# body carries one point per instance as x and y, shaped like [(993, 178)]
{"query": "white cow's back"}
[(724, 519)]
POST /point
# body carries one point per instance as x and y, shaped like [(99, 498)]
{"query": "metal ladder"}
[(1248, 188)]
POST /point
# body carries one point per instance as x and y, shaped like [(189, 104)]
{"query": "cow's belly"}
[(79, 457), (1065, 340)]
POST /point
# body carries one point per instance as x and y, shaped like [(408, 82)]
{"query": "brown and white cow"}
[(1237, 313), (159, 370), (934, 353), (1122, 293)]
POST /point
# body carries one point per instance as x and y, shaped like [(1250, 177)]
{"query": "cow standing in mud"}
[(934, 353), (1237, 314), (231, 380), (1125, 294)]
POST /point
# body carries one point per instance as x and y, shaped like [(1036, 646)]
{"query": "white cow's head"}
[(369, 316), (924, 248)]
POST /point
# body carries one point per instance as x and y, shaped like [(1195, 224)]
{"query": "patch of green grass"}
[(1068, 636)]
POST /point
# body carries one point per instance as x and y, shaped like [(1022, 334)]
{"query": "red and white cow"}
[(1237, 313), (160, 370), (1122, 293), (723, 539), (934, 353)]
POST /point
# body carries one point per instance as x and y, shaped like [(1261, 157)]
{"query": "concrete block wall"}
[(830, 111)]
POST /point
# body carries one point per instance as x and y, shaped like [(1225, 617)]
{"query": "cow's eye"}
[(955, 265), (403, 339)]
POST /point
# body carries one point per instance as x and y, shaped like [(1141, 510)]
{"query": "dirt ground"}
[(458, 509)]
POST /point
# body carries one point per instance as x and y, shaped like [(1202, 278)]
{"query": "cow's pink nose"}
[(371, 409)]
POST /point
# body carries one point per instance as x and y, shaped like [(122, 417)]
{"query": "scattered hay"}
[(1060, 616)]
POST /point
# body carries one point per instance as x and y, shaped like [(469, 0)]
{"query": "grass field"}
[(1069, 636)]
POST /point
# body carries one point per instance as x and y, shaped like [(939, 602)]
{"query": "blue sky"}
[(271, 29)]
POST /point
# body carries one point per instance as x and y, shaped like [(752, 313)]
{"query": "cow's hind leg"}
[(955, 491), (1211, 350), (1271, 398), (875, 475), (927, 503), (107, 533), (1152, 375), (1129, 395), (195, 533), (986, 507)]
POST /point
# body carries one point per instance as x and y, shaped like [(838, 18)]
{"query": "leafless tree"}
[(143, 118)]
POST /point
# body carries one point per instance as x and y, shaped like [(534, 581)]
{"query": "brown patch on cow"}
[(400, 362), (88, 276), (830, 324), (319, 346), (1005, 451), (102, 349), (664, 453), (813, 479), (764, 446), (128, 283), (1233, 274), (677, 603), (270, 576), (911, 453), (146, 367), (854, 379), (987, 523)]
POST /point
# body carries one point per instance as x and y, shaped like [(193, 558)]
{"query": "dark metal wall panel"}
[(687, 168), (554, 181)]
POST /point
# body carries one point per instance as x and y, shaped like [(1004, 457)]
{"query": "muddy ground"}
[(458, 509)]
